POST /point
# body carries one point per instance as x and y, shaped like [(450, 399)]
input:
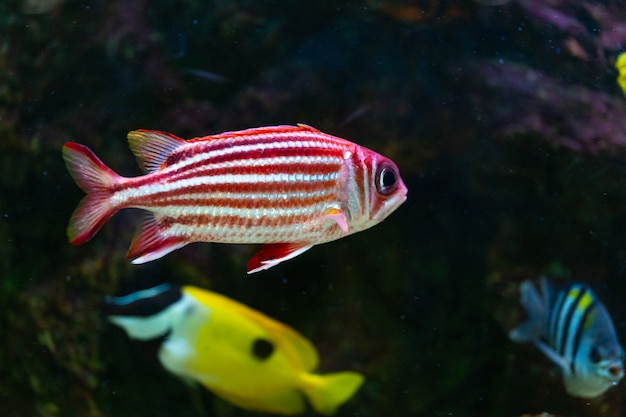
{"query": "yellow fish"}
[(238, 353), (620, 64)]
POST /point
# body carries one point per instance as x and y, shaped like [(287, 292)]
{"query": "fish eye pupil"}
[(387, 179), (262, 349)]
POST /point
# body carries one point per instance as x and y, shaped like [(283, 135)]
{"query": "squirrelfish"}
[(288, 187), (574, 329), (234, 351)]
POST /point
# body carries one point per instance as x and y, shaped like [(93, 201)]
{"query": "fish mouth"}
[(612, 370), (615, 371), (390, 206)]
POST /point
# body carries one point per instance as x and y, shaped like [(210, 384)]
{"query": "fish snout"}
[(616, 371)]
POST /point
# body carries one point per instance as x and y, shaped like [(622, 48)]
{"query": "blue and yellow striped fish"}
[(574, 329)]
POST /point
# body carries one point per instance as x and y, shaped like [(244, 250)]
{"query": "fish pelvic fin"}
[(150, 243), (274, 253), (535, 307), (97, 180), (152, 148), (563, 364), (327, 392)]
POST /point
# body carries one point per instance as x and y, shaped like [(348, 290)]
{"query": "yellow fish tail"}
[(327, 392)]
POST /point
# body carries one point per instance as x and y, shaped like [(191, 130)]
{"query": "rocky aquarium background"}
[(507, 125)]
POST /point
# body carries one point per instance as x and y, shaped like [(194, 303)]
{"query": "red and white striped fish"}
[(287, 187)]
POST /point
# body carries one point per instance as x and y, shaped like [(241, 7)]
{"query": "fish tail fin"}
[(327, 392), (534, 304), (97, 180)]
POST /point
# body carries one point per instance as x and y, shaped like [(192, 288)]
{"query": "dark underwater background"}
[(507, 125)]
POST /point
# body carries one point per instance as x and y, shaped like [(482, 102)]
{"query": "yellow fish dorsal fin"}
[(300, 351)]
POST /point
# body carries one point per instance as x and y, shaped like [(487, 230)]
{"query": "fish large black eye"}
[(594, 355), (262, 349), (386, 178)]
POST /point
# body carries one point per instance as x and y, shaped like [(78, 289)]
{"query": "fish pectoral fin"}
[(149, 244), (335, 215), (274, 253)]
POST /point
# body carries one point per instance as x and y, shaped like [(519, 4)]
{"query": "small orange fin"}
[(275, 253)]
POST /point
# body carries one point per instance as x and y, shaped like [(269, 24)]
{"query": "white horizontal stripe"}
[(247, 163), (257, 234), (217, 211), (243, 147), (150, 189), (247, 196)]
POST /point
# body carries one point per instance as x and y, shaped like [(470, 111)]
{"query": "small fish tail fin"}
[(97, 180), (327, 392), (534, 304)]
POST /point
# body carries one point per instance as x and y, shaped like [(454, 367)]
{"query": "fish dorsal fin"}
[(296, 347), (152, 147), (266, 130)]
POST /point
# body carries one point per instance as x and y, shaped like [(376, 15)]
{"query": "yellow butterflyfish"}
[(238, 353), (620, 65)]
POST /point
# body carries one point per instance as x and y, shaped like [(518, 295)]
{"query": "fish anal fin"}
[(150, 244), (337, 216), (289, 402), (274, 253), (152, 147)]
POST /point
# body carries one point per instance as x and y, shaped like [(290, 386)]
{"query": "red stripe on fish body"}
[(290, 185)]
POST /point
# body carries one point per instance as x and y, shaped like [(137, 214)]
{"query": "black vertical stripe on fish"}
[(568, 319), (552, 335), (580, 330), (143, 303)]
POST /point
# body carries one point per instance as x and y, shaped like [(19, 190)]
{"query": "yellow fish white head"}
[(236, 352)]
